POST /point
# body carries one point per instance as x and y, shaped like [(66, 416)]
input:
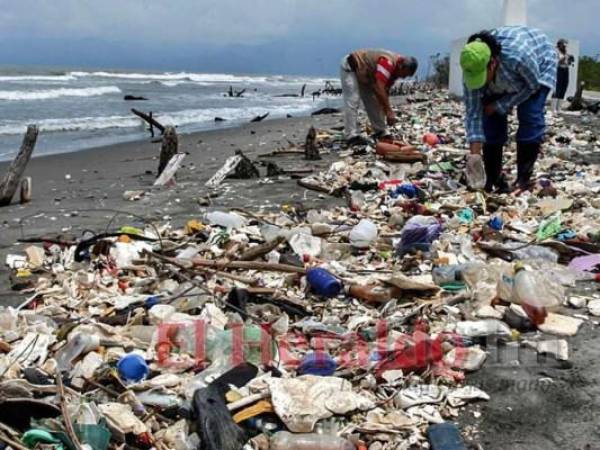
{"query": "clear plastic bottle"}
[(288, 441), (475, 171), (447, 274), (537, 252), (78, 345), (529, 292), (227, 220)]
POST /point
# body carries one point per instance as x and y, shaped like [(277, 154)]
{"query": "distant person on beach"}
[(565, 61), (505, 68), (368, 75)]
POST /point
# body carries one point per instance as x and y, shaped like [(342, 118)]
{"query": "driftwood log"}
[(311, 151), (245, 169), (168, 148), (10, 183), (260, 118), (151, 120)]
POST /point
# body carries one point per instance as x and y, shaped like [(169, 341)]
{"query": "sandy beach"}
[(73, 190)]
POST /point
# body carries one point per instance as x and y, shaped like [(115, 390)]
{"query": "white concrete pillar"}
[(515, 12)]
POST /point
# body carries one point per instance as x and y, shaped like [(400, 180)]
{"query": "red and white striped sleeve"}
[(385, 68)]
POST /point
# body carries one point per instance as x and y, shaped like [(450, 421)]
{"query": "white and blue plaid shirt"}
[(528, 61)]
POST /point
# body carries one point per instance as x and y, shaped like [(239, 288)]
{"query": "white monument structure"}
[(515, 13)]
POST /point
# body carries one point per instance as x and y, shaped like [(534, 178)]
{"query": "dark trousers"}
[(532, 126)]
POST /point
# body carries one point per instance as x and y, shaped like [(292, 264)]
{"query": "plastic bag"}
[(475, 171), (418, 233)]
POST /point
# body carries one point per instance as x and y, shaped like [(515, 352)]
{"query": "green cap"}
[(474, 60)]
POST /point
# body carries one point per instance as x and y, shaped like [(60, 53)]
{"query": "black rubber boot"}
[(492, 160), (527, 154)]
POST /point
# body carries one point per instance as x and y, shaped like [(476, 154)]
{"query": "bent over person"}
[(368, 75), (506, 68)]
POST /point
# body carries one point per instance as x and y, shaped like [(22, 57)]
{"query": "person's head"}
[(562, 45), (407, 67), (480, 59)]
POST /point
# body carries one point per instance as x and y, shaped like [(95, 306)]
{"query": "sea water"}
[(76, 110)]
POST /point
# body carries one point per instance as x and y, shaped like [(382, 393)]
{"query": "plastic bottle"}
[(363, 234), (537, 252), (447, 274), (226, 220), (475, 171), (77, 345), (372, 293), (323, 283), (527, 292), (288, 441)]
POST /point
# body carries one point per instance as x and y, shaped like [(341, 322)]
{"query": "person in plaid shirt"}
[(506, 68), (368, 75)]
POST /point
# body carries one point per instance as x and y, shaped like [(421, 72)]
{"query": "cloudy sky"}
[(257, 36)]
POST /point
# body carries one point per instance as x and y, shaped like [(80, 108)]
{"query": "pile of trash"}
[(348, 328)]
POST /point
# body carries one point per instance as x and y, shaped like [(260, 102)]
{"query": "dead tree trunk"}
[(9, 185), (577, 102), (168, 149), (311, 152), (151, 120)]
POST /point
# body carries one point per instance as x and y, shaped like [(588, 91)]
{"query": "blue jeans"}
[(532, 124)]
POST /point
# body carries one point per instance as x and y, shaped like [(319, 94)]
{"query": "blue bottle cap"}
[(132, 368)]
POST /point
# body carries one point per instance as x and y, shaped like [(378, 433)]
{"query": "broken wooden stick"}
[(259, 118), (261, 249), (248, 265), (148, 118), (9, 184), (314, 185)]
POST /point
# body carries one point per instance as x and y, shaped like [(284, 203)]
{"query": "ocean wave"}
[(174, 118), (27, 78), (56, 93), (168, 76), (173, 79), (72, 124)]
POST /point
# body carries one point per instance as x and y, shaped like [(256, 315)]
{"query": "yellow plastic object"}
[(193, 227), (261, 407), (233, 396), (131, 230), (23, 273)]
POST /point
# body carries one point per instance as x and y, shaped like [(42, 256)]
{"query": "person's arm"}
[(474, 119), (529, 72), (384, 100)]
